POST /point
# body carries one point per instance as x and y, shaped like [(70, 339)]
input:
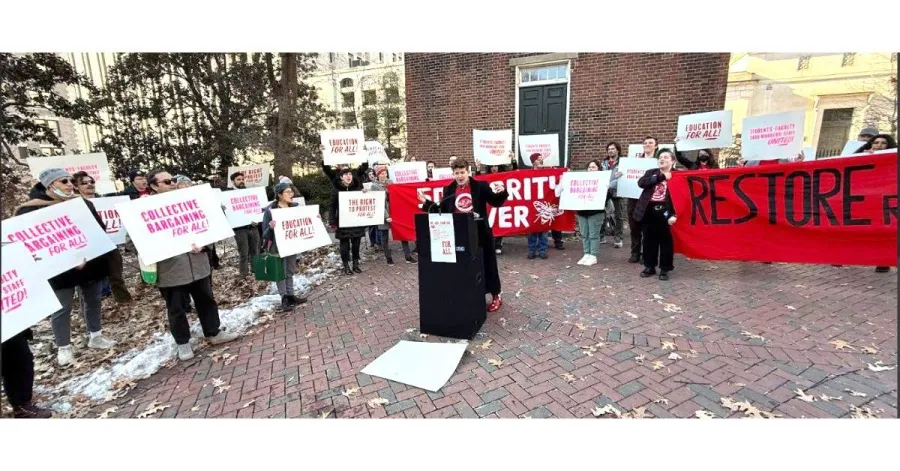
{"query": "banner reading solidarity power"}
[(836, 211), (532, 205)]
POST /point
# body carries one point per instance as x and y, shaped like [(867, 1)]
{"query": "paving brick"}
[(630, 388)]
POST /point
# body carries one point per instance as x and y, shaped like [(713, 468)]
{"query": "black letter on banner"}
[(746, 199), (820, 200), (697, 200), (849, 198), (805, 191), (888, 209), (713, 199), (772, 202)]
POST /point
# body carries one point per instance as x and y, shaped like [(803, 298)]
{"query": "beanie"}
[(281, 186), (50, 175)]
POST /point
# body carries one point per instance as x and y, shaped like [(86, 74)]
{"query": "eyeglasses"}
[(65, 181)]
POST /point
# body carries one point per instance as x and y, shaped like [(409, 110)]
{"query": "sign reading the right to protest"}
[(443, 238), (254, 175), (376, 153), (343, 146), (96, 165), (584, 190), (168, 224), (106, 208), (704, 130), (445, 173), (27, 296), (61, 236), (243, 207), (360, 209), (773, 136), (547, 145), (632, 170), (299, 229), (408, 172), (492, 147)]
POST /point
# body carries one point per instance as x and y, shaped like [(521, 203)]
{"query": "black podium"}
[(451, 295)]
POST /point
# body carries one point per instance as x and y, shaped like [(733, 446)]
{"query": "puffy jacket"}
[(183, 269)]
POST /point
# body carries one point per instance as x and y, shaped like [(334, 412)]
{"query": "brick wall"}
[(621, 97)]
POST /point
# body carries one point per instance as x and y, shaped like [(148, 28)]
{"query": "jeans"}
[(61, 320), (385, 236), (537, 242), (590, 228), (207, 309), (247, 239), (286, 286), (635, 227)]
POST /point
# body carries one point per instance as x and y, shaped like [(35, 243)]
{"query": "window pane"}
[(533, 75), (542, 73), (524, 76), (561, 71), (552, 73)]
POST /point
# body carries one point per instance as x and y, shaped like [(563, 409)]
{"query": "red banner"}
[(532, 205), (835, 211)]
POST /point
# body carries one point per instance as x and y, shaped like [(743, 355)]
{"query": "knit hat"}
[(281, 186), (284, 179), (380, 170), (179, 179), (50, 175), (868, 132), (344, 170)]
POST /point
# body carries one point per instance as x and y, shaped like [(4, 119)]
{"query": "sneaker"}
[(543, 255), (285, 305), (648, 272), (101, 343), (531, 256), (583, 259), (882, 269), (495, 304), (498, 251), (390, 261), (663, 275), (635, 258), (222, 337), (31, 411), (592, 260), (294, 301), (185, 352), (602, 240), (65, 355), (411, 260), (618, 244)]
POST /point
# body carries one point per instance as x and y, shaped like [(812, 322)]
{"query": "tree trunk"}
[(287, 106)]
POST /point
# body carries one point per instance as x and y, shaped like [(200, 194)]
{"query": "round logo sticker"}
[(464, 202)]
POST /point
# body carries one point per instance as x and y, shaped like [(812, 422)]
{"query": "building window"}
[(803, 63), (357, 60), (544, 73), (393, 153), (392, 117), (848, 59), (50, 123), (390, 80), (50, 151), (346, 83), (349, 120), (370, 124), (349, 99), (370, 97), (392, 95)]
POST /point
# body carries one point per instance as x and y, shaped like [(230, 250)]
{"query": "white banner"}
[(632, 170), (106, 208), (851, 147), (584, 190), (376, 153), (704, 130), (360, 209), (62, 236), (408, 172), (243, 207), (254, 175), (545, 144), (343, 146), (637, 150), (96, 165), (492, 147), (165, 225), (299, 229), (27, 296), (773, 136), (445, 173), (442, 237)]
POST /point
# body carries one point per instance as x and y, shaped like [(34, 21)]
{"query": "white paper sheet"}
[(420, 364)]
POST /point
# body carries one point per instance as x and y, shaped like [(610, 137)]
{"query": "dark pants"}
[(635, 227), (557, 238), (658, 238), (620, 208), (346, 242), (247, 239), (385, 236), (213, 256), (372, 231), (18, 369), (498, 242), (116, 278), (491, 271), (207, 309)]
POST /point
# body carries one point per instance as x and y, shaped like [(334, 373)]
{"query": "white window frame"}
[(568, 81)]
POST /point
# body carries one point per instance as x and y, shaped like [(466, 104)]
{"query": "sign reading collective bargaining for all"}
[(408, 172), (343, 146), (632, 170), (584, 190), (492, 147), (106, 208), (168, 224), (299, 229), (359, 209), (254, 175), (704, 130), (243, 207), (27, 296), (61, 235), (773, 136), (443, 173)]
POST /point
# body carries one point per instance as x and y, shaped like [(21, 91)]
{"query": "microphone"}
[(433, 204)]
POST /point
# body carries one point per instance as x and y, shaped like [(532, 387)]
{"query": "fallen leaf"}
[(879, 367), (568, 377), (667, 345), (325, 414), (377, 402), (588, 353), (828, 398), (862, 413), (487, 344), (869, 350), (410, 330), (366, 312), (738, 385), (105, 414), (790, 308), (661, 401), (250, 403), (657, 365), (636, 413), (519, 294), (131, 402), (599, 344), (752, 336), (803, 396), (423, 336), (580, 326), (670, 334), (305, 357), (656, 296), (674, 356), (704, 414), (534, 277), (494, 362), (152, 409), (640, 359), (349, 392), (606, 410), (799, 286), (585, 276), (633, 316), (855, 393), (195, 408), (840, 344), (309, 334), (229, 358), (729, 404), (669, 307), (703, 327)]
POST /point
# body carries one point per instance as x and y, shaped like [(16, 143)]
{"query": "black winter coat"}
[(338, 186), (482, 195), (648, 183)]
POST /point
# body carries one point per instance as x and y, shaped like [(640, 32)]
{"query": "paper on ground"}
[(421, 364)]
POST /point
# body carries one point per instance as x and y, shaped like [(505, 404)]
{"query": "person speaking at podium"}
[(468, 195)]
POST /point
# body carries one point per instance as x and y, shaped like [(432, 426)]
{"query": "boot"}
[(410, 259), (390, 261), (558, 244), (296, 302), (31, 411), (347, 270), (285, 304), (356, 267)]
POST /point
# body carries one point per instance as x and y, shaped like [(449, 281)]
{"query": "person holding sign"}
[(187, 276), (705, 160), (635, 226), (618, 204), (346, 180), (467, 195), (537, 241), (56, 186), (655, 211), (246, 237), (284, 198), (384, 229), (590, 223)]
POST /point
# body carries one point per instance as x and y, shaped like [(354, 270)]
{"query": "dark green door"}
[(542, 110)]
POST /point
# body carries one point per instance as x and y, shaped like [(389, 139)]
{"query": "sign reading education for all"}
[(343, 146), (299, 229), (361, 208), (704, 130), (773, 136), (492, 147), (27, 296), (106, 208)]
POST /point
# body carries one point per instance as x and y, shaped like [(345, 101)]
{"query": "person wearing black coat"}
[(655, 211), (346, 179), (468, 195)]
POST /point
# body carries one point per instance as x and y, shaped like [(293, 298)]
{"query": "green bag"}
[(268, 267), (148, 272)]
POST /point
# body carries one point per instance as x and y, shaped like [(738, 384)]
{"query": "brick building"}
[(589, 99)]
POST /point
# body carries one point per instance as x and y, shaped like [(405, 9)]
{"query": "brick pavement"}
[(747, 331)]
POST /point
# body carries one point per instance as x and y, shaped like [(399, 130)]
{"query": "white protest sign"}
[(106, 208), (704, 130), (547, 145), (637, 150), (168, 224), (851, 147), (632, 170), (343, 146), (254, 175), (445, 173), (809, 154), (442, 237), (299, 229), (27, 296), (376, 153), (358, 209), (492, 147), (408, 172), (243, 207), (105, 187), (367, 185), (773, 136), (96, 165), (584, 190)]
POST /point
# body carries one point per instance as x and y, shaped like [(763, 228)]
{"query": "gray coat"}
[(269, 233), (182, 269), (378, 186)]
